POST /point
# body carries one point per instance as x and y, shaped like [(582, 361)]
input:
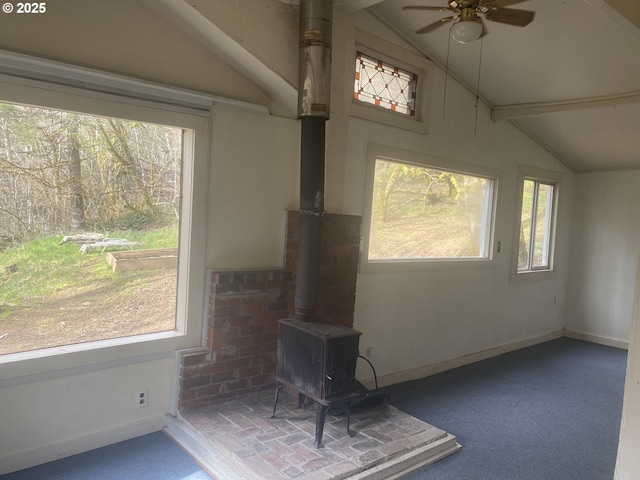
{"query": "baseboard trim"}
[(609, 342), (72, 446), (435, 368)]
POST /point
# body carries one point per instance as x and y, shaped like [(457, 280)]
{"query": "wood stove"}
[(318, 360)]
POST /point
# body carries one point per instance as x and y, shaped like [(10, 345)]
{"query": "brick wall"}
[(244, 309), (340, 255)]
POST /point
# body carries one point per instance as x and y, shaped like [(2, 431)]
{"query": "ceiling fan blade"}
[(499, 3), (511, 16), (434, 25), (422, 7)]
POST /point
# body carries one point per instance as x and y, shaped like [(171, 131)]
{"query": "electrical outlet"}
[(142, 398)]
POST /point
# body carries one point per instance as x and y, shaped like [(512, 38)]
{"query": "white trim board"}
[(72, 446), (609, 342), (428, 370)]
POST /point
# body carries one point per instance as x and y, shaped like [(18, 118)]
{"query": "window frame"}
[(378, 49), (376, 152), (540, 176), (32, 81)]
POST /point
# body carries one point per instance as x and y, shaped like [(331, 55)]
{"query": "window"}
[(384, 85), (537, 206), (46, 120), (534, 247), (428, 212), (391, 85), (62, 175)]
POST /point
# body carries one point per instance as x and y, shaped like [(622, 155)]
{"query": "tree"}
[(75, 176)]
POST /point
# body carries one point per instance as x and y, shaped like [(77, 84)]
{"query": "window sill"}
[(413, 265), (44, 364), (533, 276)]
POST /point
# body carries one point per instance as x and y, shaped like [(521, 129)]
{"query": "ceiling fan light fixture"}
[(466, 31)]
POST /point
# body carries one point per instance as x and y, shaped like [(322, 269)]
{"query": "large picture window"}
[(114, 166), (421, 213), (77, 190)]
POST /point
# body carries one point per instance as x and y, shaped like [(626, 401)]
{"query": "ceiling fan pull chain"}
[(475, 128), (446, 76)]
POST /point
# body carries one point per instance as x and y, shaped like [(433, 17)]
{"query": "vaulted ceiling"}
[(570, 79)]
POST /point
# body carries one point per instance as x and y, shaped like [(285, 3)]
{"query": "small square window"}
[(384, 85)]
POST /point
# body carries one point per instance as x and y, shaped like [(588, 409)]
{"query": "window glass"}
[(424, 213), (89, 227), (536, 222), (384, 85)]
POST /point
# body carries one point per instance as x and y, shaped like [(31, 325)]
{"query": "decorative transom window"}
[(384, 85)]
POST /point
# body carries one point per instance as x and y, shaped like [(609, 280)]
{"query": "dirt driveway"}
[(90, 314)]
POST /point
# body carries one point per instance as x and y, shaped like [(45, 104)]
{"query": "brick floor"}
[(282, 447)]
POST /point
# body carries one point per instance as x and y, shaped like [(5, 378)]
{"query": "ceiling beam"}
[(355, 5), (509, 112), (201, 29)]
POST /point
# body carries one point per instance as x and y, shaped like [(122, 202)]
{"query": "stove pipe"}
[(314, 83)]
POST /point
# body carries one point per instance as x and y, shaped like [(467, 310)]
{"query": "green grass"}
[(44, 267)]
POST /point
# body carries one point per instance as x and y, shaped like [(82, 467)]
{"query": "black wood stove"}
[(318, 360)]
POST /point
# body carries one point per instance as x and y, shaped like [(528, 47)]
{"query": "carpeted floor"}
[(150, 457), (548, 412)]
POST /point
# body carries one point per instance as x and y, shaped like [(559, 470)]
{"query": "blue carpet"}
[(150, 457), (547, 412)]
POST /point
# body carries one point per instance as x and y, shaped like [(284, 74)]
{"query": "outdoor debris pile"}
[(94, 241)]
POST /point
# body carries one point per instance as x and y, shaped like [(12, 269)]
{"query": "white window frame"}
[(37, 82), (543, 176), (401, 265), (377, 48)]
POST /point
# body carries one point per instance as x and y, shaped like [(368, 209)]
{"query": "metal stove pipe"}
[(314, 82)]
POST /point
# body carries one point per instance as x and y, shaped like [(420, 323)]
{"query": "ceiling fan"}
[(468, 25)]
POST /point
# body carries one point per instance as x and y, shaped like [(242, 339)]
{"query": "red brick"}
[(208, 368), (261, 380), (222, 377), (239, 341), (238, 363), (264, 338), (193, 404), (237, 385), (246, 373), (252, 308), (194, 358), (194, 382), (228, 311), (252, 330), (210, 390)]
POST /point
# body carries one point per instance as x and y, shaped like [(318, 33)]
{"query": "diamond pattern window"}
[(384, 85)]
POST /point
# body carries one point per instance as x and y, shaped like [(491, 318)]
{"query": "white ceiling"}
[(570, 79)]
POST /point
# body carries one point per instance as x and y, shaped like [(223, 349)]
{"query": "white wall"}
[(67, 410), (604, 255), (59, 415), (253, 181), (419, 322), (436, 316)]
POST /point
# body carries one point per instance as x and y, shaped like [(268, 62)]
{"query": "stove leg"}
[(275, 401), (349, 432), (321, 416)]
